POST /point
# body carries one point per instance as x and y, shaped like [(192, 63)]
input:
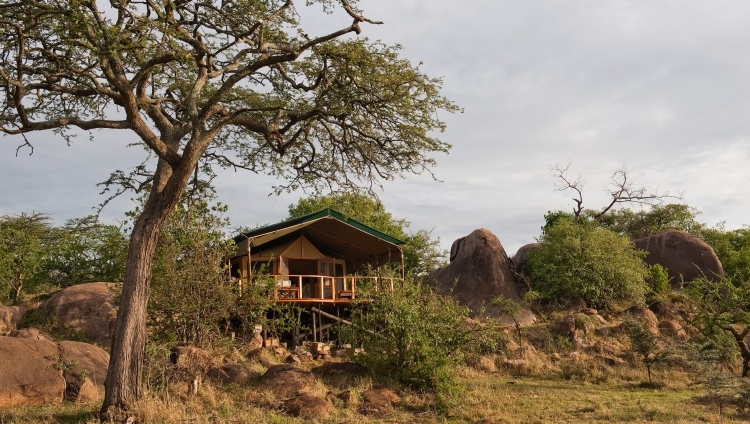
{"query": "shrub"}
[(416, 337), (584, 262), (659, 279), (644, 345)]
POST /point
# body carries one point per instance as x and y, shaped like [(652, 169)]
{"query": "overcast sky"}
[(661, 87)]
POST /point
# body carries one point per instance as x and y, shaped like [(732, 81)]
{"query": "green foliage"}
[(511, 309), (416, 337), (191, 289), (732, 248), (85, 250), (659, 218), (35, 255), (659, 279), (551, 218), (22, 250), (422, 252), (582, 261), (723, 309), (644, 344)]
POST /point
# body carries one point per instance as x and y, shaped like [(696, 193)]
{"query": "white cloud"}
[(660, 87)]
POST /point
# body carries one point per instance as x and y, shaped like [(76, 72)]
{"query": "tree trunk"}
[(17, 293), (739, 337), (123, 383)]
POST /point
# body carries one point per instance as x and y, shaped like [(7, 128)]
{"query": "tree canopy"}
[(36, 255), (723, 308), (234, 83), (582, 261)]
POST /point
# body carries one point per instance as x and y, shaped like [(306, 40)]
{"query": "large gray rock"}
[(685, 256), (478, 272), (89, 308), (286, 380), (30, 333), (10, 317), (27, 373), (85, 370), (230, 374), (519, 259), (41, 372)]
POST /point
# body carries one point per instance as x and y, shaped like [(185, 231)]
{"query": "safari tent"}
[(323, 257)]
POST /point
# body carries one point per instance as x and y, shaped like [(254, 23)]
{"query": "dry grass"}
[(549, 383), (487, 398)]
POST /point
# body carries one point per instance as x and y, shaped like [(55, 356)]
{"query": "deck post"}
[(320, 323), (314, 328)]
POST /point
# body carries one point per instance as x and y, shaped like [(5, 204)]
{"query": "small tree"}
[(659, 282), (580, 261), (511, 309), (723, 307), (22, 250), (644, 344)]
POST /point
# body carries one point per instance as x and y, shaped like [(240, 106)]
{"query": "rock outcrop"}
[(308, 407), (85, 369), (86, 308), (519, 259), (40, 372), (285, 380), (10, 317), (230, 374), (342, 375), (379, 402), (645, 316), (30, 333), (28, 374), (685, 256), (478, 272)]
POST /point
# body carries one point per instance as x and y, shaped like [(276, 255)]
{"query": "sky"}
[(659, 87)]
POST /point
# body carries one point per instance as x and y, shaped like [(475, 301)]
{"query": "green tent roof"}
[(314, 217)]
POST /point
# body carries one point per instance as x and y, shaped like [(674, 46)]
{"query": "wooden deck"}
[(327, 289)]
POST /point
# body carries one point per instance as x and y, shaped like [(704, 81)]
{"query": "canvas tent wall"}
[(329, 233)]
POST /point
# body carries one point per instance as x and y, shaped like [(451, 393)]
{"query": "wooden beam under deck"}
[(326, 301)]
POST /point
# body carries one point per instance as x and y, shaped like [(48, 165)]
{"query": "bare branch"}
[(564, 181), (620, 190)]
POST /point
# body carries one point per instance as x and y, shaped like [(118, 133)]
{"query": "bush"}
[(659, 279), (416, 337), (584, 262), (643, 344)]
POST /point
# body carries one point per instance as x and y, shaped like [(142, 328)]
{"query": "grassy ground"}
[(487, 398), (533, 400)]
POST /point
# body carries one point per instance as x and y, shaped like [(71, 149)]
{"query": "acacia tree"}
[(22, 250), (234, 83), (723, 307)]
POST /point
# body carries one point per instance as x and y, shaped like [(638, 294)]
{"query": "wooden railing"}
[(291, 288)]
